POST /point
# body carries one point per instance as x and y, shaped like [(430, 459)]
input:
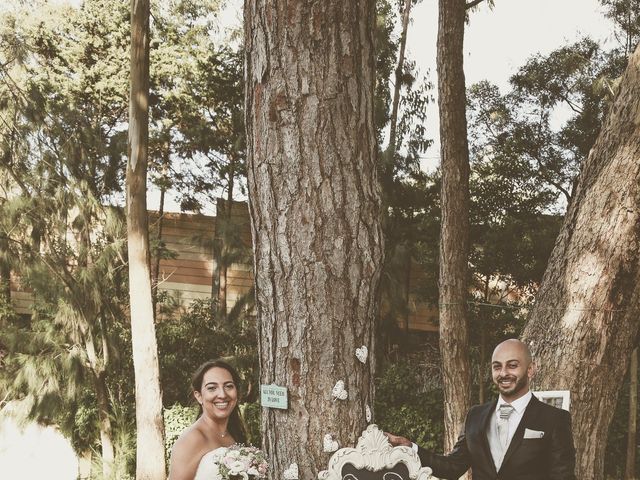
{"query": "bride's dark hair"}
[(236, 425)]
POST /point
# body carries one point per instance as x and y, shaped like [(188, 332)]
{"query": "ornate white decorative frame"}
[(374, 452), (565, 395)]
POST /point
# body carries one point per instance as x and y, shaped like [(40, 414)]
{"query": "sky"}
[(497, 41)]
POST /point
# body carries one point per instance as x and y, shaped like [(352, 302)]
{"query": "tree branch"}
[(472, 4)]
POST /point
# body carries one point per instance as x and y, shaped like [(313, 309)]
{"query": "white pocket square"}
[(533, 433)]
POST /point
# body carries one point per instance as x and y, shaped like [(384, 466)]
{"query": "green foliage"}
[(188, 340), (406, 190), (405, 407), (515, 134), (176, 419), (250, 413), (124, 439), (626, 16), (197, 144), (63, 75)]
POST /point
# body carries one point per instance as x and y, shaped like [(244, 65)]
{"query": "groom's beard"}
[(518, 385)]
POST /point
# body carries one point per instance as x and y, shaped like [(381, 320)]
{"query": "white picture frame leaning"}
[(373, 452), (557, 398)]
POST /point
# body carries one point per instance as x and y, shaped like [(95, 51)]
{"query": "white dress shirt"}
[(519, 406)]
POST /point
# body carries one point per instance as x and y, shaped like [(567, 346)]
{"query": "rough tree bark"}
[(584, 324), (315, 213), (155, 271), (150, 459), (454, 231), (632, 421)]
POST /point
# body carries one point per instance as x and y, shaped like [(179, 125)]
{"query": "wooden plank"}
[(243, 274), (183, 287), (240, 282), (204, 241), (190, 272), (185, 279), (186, 232), (180, 246), (236, 292), (171, 218), (183, 263), (238, 267), (197, 256)]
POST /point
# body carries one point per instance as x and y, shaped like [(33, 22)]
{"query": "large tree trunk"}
[(454, 231), (584, 324), (150, 459), (315, 213)]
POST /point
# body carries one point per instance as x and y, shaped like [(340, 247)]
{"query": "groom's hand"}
[(397, 441)]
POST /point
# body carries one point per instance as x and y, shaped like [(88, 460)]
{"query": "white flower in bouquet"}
[(220, 453), (240, 462)]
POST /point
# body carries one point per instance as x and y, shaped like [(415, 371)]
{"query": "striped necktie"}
[(504, 412)]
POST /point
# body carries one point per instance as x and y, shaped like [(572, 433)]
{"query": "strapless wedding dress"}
[(208, 467)]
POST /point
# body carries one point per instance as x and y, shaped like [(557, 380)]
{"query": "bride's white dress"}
[(208, 468)]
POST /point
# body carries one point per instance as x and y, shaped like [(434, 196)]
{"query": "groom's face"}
[(511, 371)]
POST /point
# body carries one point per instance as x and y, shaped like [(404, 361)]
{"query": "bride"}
[(215, 387)]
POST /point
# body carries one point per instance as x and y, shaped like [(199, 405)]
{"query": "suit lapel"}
[(485, 417), (529, 414)]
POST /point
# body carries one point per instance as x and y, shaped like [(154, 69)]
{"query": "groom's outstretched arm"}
[(451, 466)]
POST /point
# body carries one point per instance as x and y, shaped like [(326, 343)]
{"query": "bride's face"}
[(218, 394)]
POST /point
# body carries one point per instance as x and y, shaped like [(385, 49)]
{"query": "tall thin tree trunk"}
[(393, 121), (106, 431), (155, 272), (226, 247), (407, 291), (482, 395), (483, 344), (97, 367), (150, 458), (5, 271), (630, 468), (454, 232), (584, 323), (315, 214)]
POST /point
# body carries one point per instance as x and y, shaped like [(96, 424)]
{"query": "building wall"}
[(193, 272)]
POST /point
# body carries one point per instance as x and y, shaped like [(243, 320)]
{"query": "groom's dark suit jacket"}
[(551, 457)]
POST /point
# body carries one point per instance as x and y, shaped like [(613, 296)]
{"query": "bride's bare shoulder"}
[(192, 438), (190, 446)]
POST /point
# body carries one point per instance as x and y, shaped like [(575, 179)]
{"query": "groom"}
[(516, 437)]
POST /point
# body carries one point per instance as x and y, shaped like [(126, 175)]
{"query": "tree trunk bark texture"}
[(584, 324), (106, 432), (632, 424), (454, 231), (315, 213), (150, 458)]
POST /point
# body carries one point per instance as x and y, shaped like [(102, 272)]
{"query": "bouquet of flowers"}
[(240, 462)]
